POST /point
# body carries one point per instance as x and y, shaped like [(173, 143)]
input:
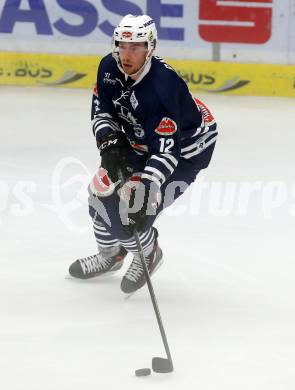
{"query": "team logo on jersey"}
[(133, 100), (167, 126), (117, 102), (126, 34)]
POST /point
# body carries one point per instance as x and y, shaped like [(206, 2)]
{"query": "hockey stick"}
[(160, 365)]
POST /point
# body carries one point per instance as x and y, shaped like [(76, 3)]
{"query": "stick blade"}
[(162, 365)]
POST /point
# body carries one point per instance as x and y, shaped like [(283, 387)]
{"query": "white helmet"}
[(134, 28)]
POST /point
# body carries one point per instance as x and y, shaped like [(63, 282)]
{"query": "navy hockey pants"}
[(108, 228)]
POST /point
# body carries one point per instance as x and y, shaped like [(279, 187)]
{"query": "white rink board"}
[(81, 27)]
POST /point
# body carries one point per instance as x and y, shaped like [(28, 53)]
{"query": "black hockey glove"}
[(115, 154), (138, 203)]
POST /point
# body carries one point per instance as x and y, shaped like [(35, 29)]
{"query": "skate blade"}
[(102, 276), (128, 296)]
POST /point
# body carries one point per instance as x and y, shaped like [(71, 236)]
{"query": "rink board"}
[(212, 77)]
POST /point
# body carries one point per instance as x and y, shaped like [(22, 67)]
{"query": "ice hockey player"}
[(153, 138)]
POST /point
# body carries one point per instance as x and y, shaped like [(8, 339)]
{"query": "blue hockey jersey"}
[(159, 116)]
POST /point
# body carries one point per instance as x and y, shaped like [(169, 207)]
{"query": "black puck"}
[(143, 372)]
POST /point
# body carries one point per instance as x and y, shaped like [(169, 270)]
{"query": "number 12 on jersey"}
[(166, 144)]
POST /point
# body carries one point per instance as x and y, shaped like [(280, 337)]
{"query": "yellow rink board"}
[(201, 76)]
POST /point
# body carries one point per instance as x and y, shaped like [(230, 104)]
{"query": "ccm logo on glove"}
[(108, 143)]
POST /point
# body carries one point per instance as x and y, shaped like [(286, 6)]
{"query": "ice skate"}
[(134, 278), (105, 261)]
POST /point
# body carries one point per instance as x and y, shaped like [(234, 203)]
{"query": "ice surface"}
[(226, 289)]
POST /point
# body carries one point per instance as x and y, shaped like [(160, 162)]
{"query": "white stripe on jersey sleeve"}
[(171, 158), (112, 123), (104, 125), (190, 147), (160, 175), (196, 144), (100, 121), (198, 131), (200, 150), (164, 162)]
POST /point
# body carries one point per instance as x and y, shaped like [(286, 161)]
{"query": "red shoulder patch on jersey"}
[(95, 90), (167, 126), (208, 117)]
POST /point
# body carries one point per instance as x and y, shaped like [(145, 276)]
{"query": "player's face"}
[(132, 56)]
